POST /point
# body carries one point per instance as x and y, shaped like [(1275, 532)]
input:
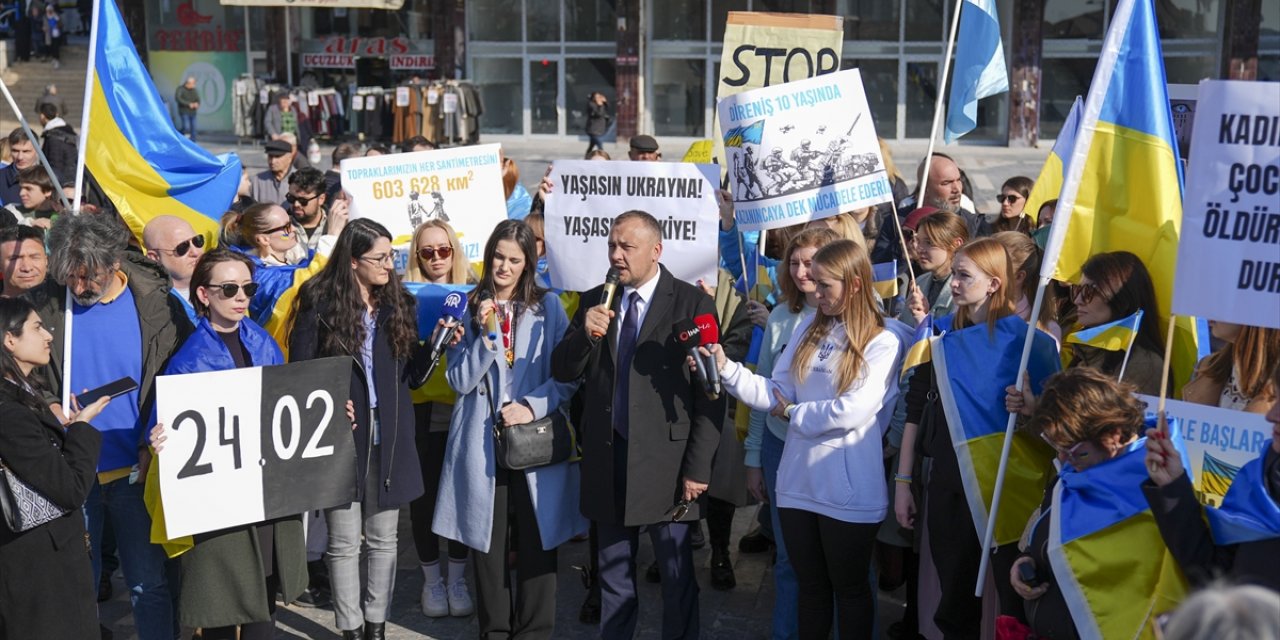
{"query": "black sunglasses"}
[(679, 510), (183, 247), (1009, 199), (230, 289), (301, 200)]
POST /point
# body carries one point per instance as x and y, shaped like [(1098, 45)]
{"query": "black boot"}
[(375, 630), (590, 611), (354, 634), (696, 539), (722, 578)]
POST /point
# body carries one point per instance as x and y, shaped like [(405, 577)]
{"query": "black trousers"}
[(831, 559), (528, 610), (719, 522), (431, 447)]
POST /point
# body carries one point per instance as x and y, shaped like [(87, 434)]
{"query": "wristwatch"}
[(786, 413)]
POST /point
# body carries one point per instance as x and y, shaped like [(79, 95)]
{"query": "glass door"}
[(546, 106)]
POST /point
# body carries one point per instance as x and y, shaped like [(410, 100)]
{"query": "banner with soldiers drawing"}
[(461, 186), (802, 151)]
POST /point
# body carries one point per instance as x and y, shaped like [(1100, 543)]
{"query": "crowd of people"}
[(852, 461)]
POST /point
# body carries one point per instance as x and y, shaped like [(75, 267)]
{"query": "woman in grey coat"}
[(479, 502)]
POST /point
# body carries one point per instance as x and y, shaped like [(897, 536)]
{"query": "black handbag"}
[(533, 444)]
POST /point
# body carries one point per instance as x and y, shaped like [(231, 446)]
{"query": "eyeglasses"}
[(1008, 199), (386, 258), (1072, 455), (301, 200), (679, 510), (1085, 293), (230, 289), (430, 253), (285, 230), (183, 247)]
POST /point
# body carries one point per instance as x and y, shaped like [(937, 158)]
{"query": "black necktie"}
[(622, 368)]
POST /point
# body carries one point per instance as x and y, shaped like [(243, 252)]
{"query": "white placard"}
[(433, 95), (1218, 441), (402, 96), (254, 444), (357, 103), (589, 195), (802, 151), (450, 103), (1229, 247), (462, 186)]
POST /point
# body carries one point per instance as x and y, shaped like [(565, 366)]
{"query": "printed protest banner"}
[(1229, 251), (461, 186), (589, 195), (802, 151), (1219, 442), (764, 49), (247, 445)]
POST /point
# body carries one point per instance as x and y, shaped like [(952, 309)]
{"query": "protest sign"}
[(461, 186), (763, 49), (802, 151), (1218, 441), (1229, 250), (589, 195), (254, 444)]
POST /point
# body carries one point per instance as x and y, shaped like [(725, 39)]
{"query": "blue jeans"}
[(142, 563), (786, 591), (188, 121)]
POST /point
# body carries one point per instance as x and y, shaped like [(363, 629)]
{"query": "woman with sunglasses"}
[(437, 259), (830, 386), (230, 577), (486, 507), (356, 308), (45, 574), (268, 236), (1112, 286), (1012, 198), (935, 237)]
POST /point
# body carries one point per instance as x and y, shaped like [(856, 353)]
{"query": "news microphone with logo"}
[(610, 289), (490, 323), (709, 334), (689, 335), (454, 305)]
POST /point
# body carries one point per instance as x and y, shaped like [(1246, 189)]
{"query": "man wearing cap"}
[(272, 185), (644, 149)]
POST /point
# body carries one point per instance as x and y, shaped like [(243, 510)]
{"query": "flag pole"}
[(35, 143), (937, 107), (1124, 364), (1164, 376), (79, 193)]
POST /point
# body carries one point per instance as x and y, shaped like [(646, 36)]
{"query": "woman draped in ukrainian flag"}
[(956, 421)]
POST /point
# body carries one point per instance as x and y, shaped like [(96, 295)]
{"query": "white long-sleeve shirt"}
[(832, 461)]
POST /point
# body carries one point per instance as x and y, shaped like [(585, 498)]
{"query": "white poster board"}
[(462, 186), (1229, 248), (589, 195), (254, 444), (802, 151), (1218, 441)]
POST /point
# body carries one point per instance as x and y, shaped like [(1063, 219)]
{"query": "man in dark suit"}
[(649, 432)]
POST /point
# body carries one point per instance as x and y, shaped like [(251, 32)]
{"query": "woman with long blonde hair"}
[(830, 388)]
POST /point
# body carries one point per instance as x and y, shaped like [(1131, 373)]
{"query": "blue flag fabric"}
[(1248, 513), (979, 67)]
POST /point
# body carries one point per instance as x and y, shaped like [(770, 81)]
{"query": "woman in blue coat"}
[(478, 501), (230, 577)]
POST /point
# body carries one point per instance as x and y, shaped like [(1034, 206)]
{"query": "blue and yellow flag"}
[(885, 275), (752, 133), (1216, 476), (921, 349), (1049, 182), (1123, 190), (1107, 555), (133, 150), (1248, 512), (973, 366), (1112, 336)]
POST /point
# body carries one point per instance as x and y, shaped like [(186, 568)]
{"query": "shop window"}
[(1062, 79), (591, 20), (869, 20), (880, 82), (492, 21), (1074, 19), (922, 92), (679, 20), (720, 15), (925, 20), (501, 85), (543, 20), (679, 101), (582, 77)]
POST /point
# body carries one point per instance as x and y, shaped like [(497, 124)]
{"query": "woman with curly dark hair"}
[(355, 307)]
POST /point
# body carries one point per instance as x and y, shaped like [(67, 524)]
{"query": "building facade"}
[(536, 61)]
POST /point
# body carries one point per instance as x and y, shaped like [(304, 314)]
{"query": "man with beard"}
[(945, 192)]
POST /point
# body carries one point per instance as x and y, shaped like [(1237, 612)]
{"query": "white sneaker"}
[(460, 605), (435, 604)]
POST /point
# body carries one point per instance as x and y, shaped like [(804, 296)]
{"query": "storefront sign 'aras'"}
[(372, 47)]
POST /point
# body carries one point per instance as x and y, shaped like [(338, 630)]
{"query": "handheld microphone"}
[(610, 289), (454, 305), (491, 323), (709, 334), (689, 333)]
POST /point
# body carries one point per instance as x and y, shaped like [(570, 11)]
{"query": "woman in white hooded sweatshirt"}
[(831, 490)]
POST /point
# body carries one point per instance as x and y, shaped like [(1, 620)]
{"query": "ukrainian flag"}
[(885, 275), (752, 133), (430, 299), (1049, 182), (1248, 513), (921, 349), (1112, 336), (973, 366), (1106, 552), (132, 148), (1216, 476), (1123, 189)]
